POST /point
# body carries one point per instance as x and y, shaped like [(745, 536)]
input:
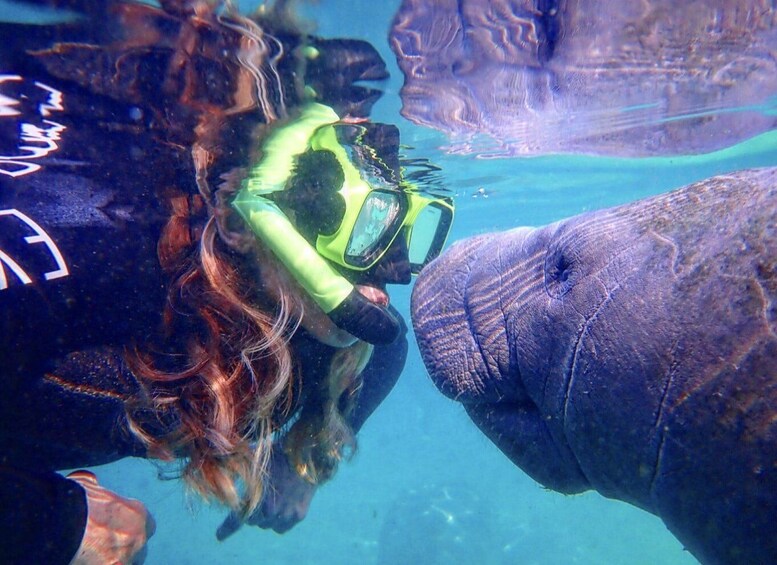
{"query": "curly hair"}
[(222, 390)]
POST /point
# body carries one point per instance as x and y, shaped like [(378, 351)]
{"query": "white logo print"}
[(37, 138), (40, 236)]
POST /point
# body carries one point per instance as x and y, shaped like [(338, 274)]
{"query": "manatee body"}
[(589, 76), (632, 351)]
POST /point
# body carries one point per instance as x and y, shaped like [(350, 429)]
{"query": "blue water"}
[(423, 475)]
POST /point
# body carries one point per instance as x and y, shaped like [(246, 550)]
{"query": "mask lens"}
[(424, 230), (428, 234), (376, 226)]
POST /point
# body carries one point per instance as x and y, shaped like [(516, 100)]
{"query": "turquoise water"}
[(425, 486)]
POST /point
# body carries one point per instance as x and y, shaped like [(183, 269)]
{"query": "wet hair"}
[(234, 394), (221, 389)]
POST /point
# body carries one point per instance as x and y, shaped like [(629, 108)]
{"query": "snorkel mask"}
[(379, 206), (350, 221)]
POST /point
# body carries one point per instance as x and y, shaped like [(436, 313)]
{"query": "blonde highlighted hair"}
[(234, 393), (220, 392)]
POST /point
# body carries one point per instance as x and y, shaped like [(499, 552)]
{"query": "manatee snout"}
[(459, 324), (466, 319)]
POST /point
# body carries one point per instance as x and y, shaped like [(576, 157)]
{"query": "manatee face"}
[(589, 76), (630, 350)]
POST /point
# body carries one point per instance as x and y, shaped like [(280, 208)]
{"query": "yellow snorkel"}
[(371, 219), (337, 297), (319, 279)]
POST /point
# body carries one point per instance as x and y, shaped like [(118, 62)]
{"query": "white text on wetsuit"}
[(38, 236), (27, 252), (37, 138)]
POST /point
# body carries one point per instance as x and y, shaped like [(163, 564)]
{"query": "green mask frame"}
[(373, 217)]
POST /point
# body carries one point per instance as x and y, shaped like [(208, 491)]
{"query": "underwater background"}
[(425, 486)]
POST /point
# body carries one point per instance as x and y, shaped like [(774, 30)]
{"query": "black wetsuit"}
[(80, 218)]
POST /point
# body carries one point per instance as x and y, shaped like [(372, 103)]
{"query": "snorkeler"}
[(193, 260), (361, 210)]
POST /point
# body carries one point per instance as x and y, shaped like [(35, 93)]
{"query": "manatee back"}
[(671, 398), (717, 469)]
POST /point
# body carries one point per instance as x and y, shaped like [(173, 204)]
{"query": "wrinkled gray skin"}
[(632, 351), (604, 77)]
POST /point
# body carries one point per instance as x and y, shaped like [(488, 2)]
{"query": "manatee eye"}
[(562, 270), (559, 274)]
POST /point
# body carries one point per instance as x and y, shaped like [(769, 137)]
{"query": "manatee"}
[(632, 351), (589, 76)]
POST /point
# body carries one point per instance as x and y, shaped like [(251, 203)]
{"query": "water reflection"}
[(589, 76)]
